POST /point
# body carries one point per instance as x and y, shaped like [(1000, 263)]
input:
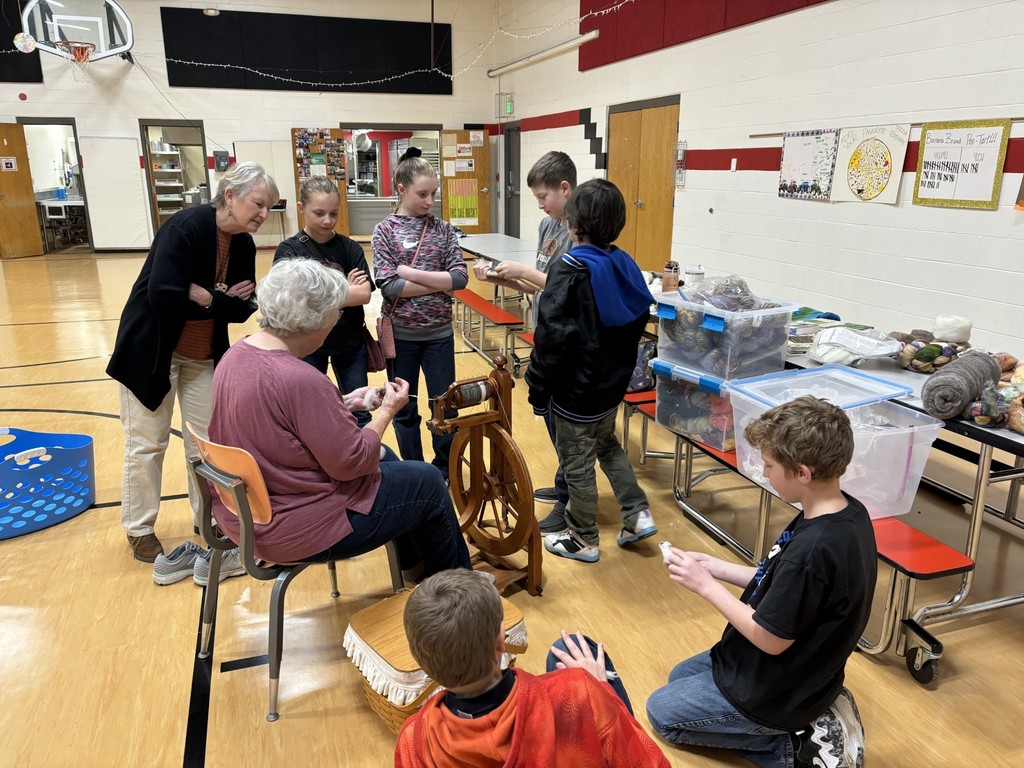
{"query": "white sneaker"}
[(568, 544), (836, 738), (230, 565), (643, 528)]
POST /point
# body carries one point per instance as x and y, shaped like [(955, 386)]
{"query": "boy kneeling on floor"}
[(772, 688)]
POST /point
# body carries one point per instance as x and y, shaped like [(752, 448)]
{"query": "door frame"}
[(78, 148), (145, 123), (511, 225), (633, 106)]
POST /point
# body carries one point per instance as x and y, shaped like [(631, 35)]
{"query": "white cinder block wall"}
[(844, 62), (840, 63)]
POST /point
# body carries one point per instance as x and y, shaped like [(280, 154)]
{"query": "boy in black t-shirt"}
[(772, 688)]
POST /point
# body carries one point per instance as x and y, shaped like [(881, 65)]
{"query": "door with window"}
[(641, 163)]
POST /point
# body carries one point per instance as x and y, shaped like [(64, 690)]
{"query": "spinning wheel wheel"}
[(490, 481), (492, 489)]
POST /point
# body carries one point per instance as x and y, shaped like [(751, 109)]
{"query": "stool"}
[(393, 683)]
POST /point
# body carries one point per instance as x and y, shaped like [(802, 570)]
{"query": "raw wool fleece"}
[(952, 388)]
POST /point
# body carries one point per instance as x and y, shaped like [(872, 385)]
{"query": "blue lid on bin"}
[(838, 384), (705, 383)]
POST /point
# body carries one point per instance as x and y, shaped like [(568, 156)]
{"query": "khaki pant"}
[(147, 433)]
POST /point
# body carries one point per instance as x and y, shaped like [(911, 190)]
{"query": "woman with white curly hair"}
[(332, 495)]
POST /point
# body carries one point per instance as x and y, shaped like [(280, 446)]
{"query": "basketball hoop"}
[(77, 55)]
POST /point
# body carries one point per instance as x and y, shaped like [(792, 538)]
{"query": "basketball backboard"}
[(102, 23)]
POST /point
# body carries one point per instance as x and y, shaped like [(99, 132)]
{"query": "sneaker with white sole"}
[(172, 568), (642, 528), (835, 739), (230, 565), (569, 544)]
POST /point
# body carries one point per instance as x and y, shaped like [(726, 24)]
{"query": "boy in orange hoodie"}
[(489, 718)]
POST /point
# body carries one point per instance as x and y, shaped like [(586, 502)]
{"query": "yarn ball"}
[(989, 410), (1018, 374), (1015, 414)]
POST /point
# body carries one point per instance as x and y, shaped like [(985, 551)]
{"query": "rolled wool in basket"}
[(953, 387)]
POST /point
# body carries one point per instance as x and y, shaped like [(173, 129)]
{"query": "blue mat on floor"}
[(45, 479)]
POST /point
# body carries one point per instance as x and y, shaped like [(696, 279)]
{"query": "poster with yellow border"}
[(960, 163)]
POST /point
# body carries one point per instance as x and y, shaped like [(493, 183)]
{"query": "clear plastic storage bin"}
[(725, 344), (694, 405), (891, 441)]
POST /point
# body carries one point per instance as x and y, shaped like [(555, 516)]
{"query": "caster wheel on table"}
[(924, 671)]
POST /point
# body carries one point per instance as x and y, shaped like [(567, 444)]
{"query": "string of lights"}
[(482, 47)]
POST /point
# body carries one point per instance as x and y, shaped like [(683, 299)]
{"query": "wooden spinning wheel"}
[(490, 481)]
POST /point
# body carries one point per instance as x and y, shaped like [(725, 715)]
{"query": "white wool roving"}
[(952, 328)]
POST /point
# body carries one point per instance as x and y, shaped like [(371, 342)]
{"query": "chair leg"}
[(397, 583), (332, 570), (276, 640), (644, 425), (210, 603)]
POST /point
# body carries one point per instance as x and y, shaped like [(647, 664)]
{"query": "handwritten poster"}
[(463, 202), (463, 150), (960, 164), (869, 164), (808, 162)]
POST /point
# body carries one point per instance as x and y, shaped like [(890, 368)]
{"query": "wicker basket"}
[(380, 628)]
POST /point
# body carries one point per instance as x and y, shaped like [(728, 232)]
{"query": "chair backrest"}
[(238, 462)]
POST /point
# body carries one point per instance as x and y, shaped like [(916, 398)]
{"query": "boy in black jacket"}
[(589, 320)]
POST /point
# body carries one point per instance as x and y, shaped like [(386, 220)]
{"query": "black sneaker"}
[(545, 495), (554, 522), (835, 739)]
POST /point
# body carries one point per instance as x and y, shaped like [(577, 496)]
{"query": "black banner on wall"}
[(272, 51)]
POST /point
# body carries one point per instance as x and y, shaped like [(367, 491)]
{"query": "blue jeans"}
[(613, 676), (414, 508), (437, 359), (561, 487), (690, 709), (579, 445), (349, 369)]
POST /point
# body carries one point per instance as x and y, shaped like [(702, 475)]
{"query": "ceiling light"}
[(211, 12)]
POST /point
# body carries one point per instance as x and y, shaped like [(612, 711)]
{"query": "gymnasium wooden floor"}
[(99, 667)]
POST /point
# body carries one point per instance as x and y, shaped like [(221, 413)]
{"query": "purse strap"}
[(416, 255)]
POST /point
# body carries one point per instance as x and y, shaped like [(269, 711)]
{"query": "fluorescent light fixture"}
[(211, 12)]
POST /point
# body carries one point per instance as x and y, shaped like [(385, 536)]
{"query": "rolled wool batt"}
[(954, 386)]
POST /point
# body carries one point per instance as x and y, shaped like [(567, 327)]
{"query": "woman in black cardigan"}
[(199, 276)]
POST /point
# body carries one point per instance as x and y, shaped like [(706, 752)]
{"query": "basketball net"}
[(77, 55)]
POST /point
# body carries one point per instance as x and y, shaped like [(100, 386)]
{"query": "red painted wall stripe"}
[(544, 122), (770, 158)]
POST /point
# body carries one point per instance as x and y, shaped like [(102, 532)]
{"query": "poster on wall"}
[(869, 164), (960, 163), (808, 163), (463, 202), (1020, 197)]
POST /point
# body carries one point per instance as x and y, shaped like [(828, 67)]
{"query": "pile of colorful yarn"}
[(921, 352), (746, 346), (687, 410)]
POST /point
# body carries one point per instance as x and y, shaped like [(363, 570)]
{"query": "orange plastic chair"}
[(237, 479)]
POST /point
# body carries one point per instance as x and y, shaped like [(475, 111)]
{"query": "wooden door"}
[(19, 219), (641, 163), (624, 130), (321, 151), (656, 191), (466, 180)]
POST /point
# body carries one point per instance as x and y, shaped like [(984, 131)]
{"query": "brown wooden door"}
[(466, 180), (641, 163), (19, 219)]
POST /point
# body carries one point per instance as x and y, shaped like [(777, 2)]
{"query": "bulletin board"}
[(321, 152), (960, 163)]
